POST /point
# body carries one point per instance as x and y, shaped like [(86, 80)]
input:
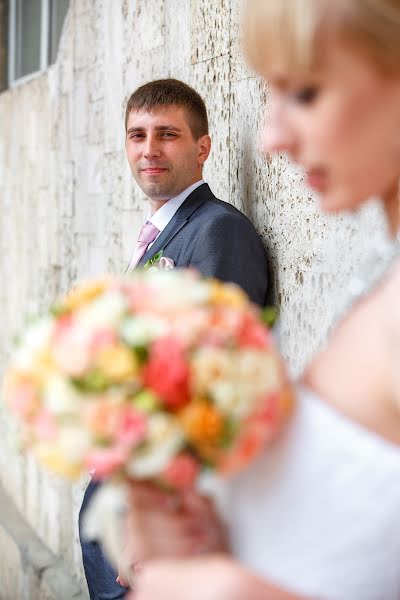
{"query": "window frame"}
[(13, 51)]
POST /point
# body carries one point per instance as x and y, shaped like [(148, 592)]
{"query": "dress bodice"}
[(319, 511)]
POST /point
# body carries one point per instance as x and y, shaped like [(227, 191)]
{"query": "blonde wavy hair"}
[(291, 31)]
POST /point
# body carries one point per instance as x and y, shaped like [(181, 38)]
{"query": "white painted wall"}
[(68, 207)]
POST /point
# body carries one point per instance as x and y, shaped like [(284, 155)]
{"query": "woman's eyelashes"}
[(305, 95)]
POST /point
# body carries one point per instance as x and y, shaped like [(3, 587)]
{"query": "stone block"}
[(96, 119), (80, 106), (100, 221), (94, 161), (178, 38), (10, 568), (148, 24), (98, 257), (96, 83), (65, 55), (211, 79), (84, 40), (239, 67), (66, 189), (210, 27), (28, 570)]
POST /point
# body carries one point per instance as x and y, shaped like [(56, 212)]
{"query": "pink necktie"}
[(147, 234)]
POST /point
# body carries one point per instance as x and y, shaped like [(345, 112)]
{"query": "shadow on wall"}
[(255, 169)]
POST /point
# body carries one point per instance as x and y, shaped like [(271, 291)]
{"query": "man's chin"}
[(157, 192), (162, 189)]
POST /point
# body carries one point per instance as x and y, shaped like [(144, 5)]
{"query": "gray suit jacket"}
[(216, 239), (219, 241)]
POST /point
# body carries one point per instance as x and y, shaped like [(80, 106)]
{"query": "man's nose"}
[(152, 147)]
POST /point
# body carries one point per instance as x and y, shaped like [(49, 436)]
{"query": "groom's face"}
[(162, 153)]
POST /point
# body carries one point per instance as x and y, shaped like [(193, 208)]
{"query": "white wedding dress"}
[(319, 511)]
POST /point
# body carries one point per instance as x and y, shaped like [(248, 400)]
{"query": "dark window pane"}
[(58, 11), (28, 37), (3, 43)]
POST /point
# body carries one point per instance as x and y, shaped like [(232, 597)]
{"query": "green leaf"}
[(146, 401), (94, 381), (229, 433), (153, 260), (141, 353), (58, 309), (269, 315)]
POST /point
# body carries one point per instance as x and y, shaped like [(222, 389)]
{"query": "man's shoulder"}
[(219, 209)]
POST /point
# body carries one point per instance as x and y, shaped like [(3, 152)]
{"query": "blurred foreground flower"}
[(158, 377)]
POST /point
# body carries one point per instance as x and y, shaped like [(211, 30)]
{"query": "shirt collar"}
[(163, 215)]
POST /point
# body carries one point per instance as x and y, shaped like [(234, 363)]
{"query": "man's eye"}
[(168, 134), (306, 95), (136, 136)]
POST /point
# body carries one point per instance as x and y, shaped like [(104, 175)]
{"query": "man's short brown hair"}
[(167, 92)]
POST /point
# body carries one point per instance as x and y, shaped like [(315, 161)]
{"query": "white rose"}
[(258, 371), (165, 438), (141, 330), (105, 311), (74, 443), (37, 337), (210, 365), (60, 398), (230, 399), (179, 290)]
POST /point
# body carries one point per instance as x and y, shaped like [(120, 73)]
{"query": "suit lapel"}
[(178, 221)]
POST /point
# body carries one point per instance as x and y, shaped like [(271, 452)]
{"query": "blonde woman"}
[(319, 516)]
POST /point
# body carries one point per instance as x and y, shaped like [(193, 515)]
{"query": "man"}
[(167, 144)]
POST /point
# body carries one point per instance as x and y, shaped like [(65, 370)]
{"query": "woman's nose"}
[(277, 135)]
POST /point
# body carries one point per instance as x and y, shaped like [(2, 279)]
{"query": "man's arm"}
[(229, 248)]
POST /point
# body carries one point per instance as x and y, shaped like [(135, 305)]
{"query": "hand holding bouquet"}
[(159, 377)]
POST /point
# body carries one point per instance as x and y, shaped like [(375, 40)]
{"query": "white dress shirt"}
[(163, 215)]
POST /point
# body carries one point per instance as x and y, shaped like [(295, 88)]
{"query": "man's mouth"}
[(153, 170)]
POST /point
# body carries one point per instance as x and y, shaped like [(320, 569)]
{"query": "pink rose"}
[(71, 347), (166, 264), (181, 472), (140, 297), (269, 411), (103, 338), (105, 461), (249, 444), (100, 418), (24, 400), (167, 372), (45, 425), (253, 334), (131, 428)]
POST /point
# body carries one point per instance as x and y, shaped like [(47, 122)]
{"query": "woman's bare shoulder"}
[(394, 278)]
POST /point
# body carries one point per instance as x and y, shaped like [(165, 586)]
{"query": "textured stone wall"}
[(68, 207)]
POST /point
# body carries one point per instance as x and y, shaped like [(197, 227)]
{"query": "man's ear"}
[(204, 147)]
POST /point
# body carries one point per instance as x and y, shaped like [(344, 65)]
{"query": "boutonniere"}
[(158, 262)]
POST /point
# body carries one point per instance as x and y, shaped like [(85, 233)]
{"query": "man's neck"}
[(155, 205)]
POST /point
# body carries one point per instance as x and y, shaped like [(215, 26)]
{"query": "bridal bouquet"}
[(157, 377)]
